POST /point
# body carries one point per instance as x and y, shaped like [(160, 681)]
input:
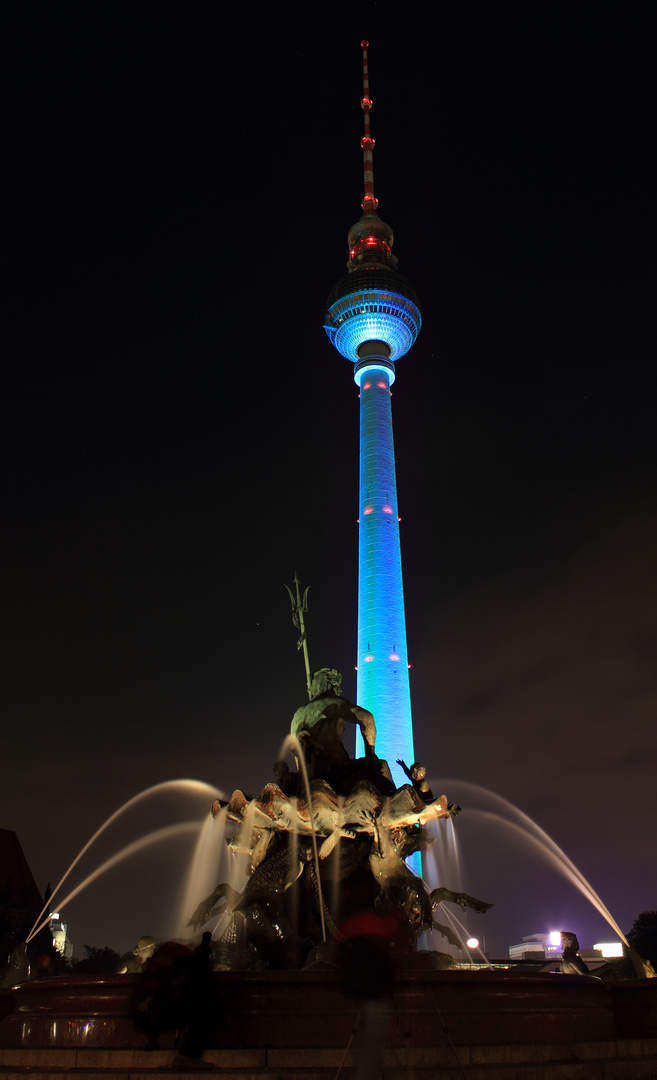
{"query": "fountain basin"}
[(305, 1009)]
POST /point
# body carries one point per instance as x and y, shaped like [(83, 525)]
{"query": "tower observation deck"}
[(373, 318)]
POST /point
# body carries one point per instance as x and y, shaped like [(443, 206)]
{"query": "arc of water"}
[(131, 849), (206, 788), (562, 863), (528, 826)]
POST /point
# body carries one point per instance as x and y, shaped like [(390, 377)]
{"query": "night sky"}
[(179, 436)]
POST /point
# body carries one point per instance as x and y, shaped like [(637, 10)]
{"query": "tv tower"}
[(373, 317)]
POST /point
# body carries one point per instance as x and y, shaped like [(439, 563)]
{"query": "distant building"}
[(548, 947), (60, 939), (537, 947)]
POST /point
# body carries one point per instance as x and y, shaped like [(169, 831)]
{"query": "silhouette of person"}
[(368, 975), (176, 993)]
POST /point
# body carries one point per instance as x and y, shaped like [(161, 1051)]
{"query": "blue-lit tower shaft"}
[(383, 685), (373, 319)]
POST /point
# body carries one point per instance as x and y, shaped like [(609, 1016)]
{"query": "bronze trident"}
[(299, 606)]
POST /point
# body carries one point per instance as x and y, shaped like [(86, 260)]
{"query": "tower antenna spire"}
[(370, 240), (370, 203)]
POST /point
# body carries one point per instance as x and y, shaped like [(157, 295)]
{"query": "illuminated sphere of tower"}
[(372, 304)]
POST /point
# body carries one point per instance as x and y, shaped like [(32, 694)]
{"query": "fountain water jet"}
[(157, 837), (559, 860), (292, 745), (442, 859), (463, 934), (527, 830), (195, 789), (210, 855)]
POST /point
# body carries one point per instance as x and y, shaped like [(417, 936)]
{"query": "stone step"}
[(628, 1059)]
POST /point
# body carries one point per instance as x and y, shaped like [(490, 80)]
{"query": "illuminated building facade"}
[(373, 318), (60, 938)]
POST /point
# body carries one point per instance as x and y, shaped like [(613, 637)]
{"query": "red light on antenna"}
[(387, 509), (364, 44), (368, 509)]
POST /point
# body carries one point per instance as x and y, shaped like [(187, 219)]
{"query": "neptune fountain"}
[(328, 887), (337, 821)]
